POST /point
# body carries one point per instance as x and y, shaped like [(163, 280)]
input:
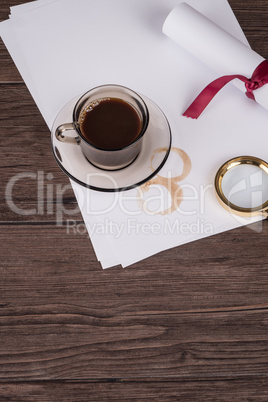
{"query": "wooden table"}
[(188, 324)]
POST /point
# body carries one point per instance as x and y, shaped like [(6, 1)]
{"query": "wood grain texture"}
[(188, 324), (8, 71), (70, 343), (195, 315), (242, 389), (29, 171), (222, 273)]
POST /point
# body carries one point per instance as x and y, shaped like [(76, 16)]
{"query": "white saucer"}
[(73, 162)]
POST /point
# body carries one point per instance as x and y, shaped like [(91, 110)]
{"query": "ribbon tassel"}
[(258, 79)]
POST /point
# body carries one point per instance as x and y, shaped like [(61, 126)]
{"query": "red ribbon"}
[(258, 79)]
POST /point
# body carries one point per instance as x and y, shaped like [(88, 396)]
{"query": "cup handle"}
[(65, 138)]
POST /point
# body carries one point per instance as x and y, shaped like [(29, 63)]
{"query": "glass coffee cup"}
[(109, 123)]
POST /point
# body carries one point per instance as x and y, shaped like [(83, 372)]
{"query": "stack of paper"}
[(63, 48)]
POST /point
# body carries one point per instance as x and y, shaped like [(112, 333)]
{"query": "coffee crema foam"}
[(90, 107)]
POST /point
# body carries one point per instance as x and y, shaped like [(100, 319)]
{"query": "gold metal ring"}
[(241, 160)]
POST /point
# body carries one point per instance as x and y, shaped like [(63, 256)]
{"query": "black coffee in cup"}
[(110, 123)]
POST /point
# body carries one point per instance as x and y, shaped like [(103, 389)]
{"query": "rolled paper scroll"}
[(220, 51)]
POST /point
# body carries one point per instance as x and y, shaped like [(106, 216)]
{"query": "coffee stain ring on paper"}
[(170, 183)]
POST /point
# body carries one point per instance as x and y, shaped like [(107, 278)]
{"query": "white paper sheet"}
[(67, 47)]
